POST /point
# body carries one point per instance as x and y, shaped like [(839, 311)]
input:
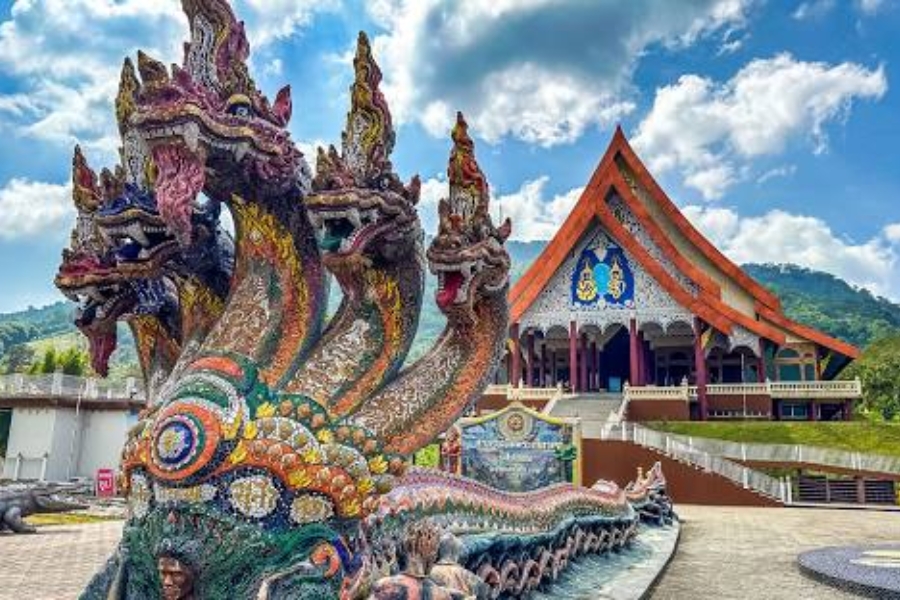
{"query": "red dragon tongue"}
[(180, 178), (102, 341), (447, 294)]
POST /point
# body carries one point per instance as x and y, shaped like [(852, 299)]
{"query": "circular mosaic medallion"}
[(176, 443), (184, 440)]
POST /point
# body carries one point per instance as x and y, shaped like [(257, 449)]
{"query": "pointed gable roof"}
[(707, 304)]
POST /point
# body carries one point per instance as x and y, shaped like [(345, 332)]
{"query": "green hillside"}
[(825, 302)]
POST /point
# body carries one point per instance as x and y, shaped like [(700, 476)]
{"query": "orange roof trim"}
[(708, 305)]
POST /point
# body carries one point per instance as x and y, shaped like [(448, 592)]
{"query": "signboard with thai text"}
[(518, 449)]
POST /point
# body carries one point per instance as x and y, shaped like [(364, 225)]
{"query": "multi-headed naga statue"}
[(271, 461), (273, 438)]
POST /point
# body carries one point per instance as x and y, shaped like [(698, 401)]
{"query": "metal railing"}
[(771, 487), (790, 453), (57, 385), (804, 390)]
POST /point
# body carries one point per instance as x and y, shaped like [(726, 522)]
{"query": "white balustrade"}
[(58, 385)]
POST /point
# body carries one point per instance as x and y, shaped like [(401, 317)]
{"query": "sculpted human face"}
[(177, 579)]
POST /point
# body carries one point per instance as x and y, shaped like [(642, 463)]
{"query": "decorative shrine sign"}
[(105, 486), (518, 449)]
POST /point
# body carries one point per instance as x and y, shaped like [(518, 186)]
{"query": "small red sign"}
[(106, 483)]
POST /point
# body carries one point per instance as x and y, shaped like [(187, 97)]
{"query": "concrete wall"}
[(618, 461), (102, 437), (75, 447)]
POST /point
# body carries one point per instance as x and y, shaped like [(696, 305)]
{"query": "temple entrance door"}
[(614, 366)]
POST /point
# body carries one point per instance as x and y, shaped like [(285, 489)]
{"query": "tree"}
[(72, 361), (18, 358)]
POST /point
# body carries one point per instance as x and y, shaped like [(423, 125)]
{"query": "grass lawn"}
[(858, 436), (73, 518)]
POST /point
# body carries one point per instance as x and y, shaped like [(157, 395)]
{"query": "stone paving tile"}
[(725, 554), (735, 553), (56, 562)]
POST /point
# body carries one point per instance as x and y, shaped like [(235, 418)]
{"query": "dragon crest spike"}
[(153, 73), (368, 137), (125, 99), (218, 51), (85, 191)]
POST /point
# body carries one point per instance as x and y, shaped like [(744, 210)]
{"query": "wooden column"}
[(573, 356), (812, 411), (516, 357), (529, 361), (543, 370), (584, 362), (633, 364), (553, 364), (700, 366)]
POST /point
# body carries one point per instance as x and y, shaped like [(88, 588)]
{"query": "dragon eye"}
[(239, 105)]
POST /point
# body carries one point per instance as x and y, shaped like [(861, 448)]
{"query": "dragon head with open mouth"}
[(92, 275), (360, 208), (206, 124), (467, 255)]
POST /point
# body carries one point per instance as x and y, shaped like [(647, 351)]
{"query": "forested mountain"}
[(825, 302), (814, 298)]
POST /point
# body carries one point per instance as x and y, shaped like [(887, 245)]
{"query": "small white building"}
[(63, 427)]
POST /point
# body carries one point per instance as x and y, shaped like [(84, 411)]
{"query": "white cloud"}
[(870, 7), (543, 71), (814, 9), (534, 214), (33, 208), (271, 20), (782, 237), (66, 55), (892, 233), (783, 171), (711, 131)]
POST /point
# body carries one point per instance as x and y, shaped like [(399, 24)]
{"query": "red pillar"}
[(595, 367), (700, 364), (633, 360), (584, 361), (761, 362), (573, 356), (542, 372), (812, 411), (516, 357), (529, 361), (639, 380)]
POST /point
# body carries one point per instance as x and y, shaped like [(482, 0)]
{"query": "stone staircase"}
[(595, 410)]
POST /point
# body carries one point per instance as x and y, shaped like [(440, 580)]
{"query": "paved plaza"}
[(725, 553), (736, 553)]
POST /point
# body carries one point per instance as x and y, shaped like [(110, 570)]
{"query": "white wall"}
[(31, 435), (74, 447), (102, 437)]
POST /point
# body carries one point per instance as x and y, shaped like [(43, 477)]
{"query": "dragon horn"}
[(127, 95)]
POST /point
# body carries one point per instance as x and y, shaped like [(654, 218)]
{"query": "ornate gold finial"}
[(368, 138), (85, 192), (126, 98)]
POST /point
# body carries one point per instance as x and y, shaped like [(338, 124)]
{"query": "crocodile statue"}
[(18, 502)]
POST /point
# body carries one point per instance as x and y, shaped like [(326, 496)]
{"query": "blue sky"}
[(773, 124)]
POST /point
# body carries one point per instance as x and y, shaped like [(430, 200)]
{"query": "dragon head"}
[(467, 255), (92, 274), (206, 124), (359, 206)]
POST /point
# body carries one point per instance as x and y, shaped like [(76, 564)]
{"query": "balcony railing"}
[(57, 385), (803, 390)]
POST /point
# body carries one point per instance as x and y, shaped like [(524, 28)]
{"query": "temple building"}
[(629, 298)]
